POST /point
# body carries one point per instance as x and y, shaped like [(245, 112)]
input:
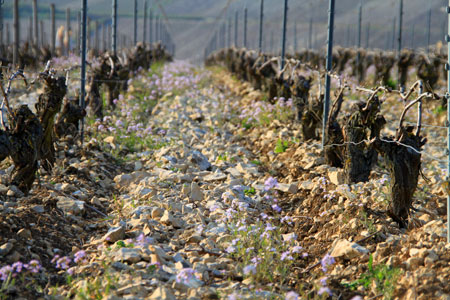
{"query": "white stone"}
[(69, 205), (287, 188), (200, 160), (336, 177), (162, 293), (130, 255), (115, 234), (347, 250), (196, 193)]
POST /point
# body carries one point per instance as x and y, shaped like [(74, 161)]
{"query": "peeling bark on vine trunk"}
[(69, 118), (404, 167), (383, 65), (334, 135), (94, 98), (405, 61), (25, 140), (365, 122), (311, 119), (48, 105), (428, 71), (300, 94)]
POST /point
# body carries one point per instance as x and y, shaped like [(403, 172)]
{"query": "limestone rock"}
[(69, 205), (200, 160), (130, 255), (110, 140), (336, 177), (168, 219), (115, 234), (6, 248), (196, 193), (157, 213), (215, 177), (24, 233), (287, 188), (347, 250), (162, 293), (123, 180), (40, 209)]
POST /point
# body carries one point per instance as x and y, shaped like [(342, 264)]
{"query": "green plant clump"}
[(384, 277)]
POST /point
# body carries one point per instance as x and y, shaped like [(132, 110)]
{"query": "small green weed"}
[(250, 191), (384, 277), (281, 146), (392, 83)]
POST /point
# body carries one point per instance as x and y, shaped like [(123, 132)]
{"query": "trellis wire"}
[(391, 142)]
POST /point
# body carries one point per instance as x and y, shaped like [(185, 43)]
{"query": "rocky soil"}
[(184, 200)]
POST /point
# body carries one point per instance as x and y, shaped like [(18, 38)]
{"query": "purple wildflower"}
[(230, 249), (276, 208), (291, 296), (286, 255), (63, 263), (34, 266), (17, 266), (326, 261), (297, 249), (79, 256), (4, 272), (250, 269), (185, 275), (270, 183), (324, 289)]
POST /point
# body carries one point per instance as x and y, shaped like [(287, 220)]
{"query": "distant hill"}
[(192, 22)]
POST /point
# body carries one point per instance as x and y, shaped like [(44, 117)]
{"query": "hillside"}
[(193, 21)]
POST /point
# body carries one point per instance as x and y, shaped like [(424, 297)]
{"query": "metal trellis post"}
[(78, 50), (394, 25), (359, 30), (16, 33), (310, 32), (295, 37), (400, 26), (236, 28), (42, 35), (447, 38), (151, 27), (368, 35), (1, 23), (68, 30), (104, 39), (348, 36), (135, 22), (144, 31), (261, 22), (245, 27), (83, 63), (428, 28), (229, 32), (283, 43), (326, 104), (114, 26), (35, 24)]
